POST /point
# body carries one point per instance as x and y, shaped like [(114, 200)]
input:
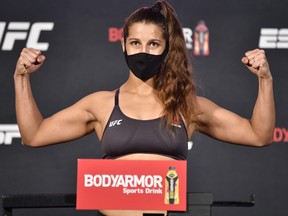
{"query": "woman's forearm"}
[(28, 116), (263, 118)]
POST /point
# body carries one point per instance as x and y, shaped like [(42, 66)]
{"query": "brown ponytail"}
[(174, 83)]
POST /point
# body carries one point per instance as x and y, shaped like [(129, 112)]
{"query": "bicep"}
[(224, 125), (68, 124)]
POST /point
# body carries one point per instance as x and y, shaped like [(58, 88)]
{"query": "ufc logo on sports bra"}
[(115, 122)]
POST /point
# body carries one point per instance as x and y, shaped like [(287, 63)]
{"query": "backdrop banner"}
[(81, 43)]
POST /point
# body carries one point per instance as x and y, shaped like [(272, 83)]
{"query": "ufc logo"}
[(115, 122), (274, 38), (24, 31), (8, 132)]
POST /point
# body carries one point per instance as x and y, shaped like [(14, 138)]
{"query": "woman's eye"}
[(134, 43), (153, 44)]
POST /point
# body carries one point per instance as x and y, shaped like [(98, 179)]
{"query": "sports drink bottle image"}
[(171, 186), (201, 39)]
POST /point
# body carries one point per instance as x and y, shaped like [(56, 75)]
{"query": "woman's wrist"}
[(264, 76), (21, 76)]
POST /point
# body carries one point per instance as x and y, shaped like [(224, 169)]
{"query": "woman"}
[(154, 113)]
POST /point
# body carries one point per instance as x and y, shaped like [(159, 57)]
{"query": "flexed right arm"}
[(66, 125), (28, 116)]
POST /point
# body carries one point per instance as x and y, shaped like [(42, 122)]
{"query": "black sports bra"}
[(124, 135)]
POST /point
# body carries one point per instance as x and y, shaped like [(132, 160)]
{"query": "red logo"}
[(131, 184), (115, 34), (196, 39), (280, 135)]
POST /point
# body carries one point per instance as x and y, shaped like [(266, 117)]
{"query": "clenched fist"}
[(255, 60), (29, 61)]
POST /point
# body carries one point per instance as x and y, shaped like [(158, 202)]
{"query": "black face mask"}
[(144, 65)]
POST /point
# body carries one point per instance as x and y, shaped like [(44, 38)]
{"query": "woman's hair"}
[(174, 82)]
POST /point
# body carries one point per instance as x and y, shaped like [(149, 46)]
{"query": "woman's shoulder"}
[(100, 96), (99, 103), (206, 108), (99, 99), (204, 103)]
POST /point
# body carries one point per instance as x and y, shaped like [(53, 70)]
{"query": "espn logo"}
[(273, 38)]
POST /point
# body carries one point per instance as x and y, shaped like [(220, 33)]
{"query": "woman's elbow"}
[(262, 142), (30, 143)]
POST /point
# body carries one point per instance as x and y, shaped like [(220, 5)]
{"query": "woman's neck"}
[(135, 85)]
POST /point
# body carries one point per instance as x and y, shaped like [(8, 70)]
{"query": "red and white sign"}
[(131, 184)]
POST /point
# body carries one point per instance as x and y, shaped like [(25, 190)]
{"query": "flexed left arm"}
[(227, 126), (263, 118)]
